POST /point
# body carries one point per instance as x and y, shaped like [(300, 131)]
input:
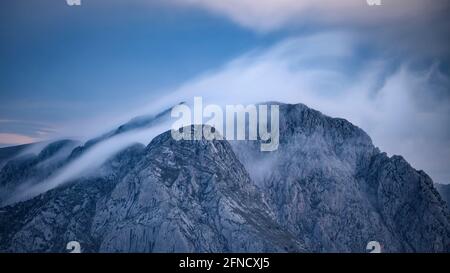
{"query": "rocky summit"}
[(329, 185), (326, 189)]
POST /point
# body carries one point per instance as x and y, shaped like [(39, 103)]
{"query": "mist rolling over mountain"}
[(326, 189), (356, 106)]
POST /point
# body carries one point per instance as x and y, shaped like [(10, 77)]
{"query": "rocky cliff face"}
[(153, 199), (48, 222), (331, 187), (326, 189), (444, 190)]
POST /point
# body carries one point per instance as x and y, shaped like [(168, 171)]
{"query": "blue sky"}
[(61, 62), (67, 70)]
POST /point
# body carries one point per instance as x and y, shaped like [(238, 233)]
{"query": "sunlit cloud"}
[(15, 139)]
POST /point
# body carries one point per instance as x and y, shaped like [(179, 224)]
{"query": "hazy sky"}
[(76, 71)]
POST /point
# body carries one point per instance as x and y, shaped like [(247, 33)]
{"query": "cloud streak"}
[(269, 15), (88, 162)]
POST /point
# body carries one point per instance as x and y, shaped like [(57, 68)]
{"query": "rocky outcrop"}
[(444, 190), (169, 197), (331, 187)]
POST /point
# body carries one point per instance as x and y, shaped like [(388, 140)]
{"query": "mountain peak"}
[(326, 189)]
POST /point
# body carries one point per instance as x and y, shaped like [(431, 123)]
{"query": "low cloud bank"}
[(88, 162)]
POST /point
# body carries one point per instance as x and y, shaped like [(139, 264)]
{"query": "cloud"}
[(15, 139), (269, 15), (88, 162), (414, 27), (406, 110)]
